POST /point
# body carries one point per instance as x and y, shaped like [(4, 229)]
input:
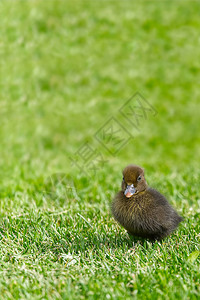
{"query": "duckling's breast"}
[(131, 212)]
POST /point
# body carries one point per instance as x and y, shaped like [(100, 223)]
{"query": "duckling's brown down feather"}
[(147, 214)]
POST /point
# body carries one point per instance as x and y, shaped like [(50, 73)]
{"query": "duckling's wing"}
[(165, 217)]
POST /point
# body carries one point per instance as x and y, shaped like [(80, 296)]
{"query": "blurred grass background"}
[(66, 67)]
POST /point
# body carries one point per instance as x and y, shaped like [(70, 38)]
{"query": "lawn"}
[(87, 87)]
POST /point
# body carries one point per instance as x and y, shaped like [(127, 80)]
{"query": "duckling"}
[(141, 210)]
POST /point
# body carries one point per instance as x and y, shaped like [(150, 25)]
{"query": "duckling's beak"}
[(130, 190)]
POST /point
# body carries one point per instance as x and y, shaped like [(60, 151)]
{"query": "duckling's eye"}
[(139, 178), (123, 178)]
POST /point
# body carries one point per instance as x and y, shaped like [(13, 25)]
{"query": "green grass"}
[(66, 67)]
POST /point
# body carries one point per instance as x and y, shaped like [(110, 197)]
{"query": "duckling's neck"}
[(139, 192)]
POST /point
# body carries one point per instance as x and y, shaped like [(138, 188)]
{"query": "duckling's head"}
[(133, 180)]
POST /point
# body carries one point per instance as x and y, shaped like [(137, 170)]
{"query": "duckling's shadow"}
[(125, 239), (131, 241), (142, 241), (118, 240)]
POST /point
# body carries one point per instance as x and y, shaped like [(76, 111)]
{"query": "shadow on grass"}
[(96, 242)]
